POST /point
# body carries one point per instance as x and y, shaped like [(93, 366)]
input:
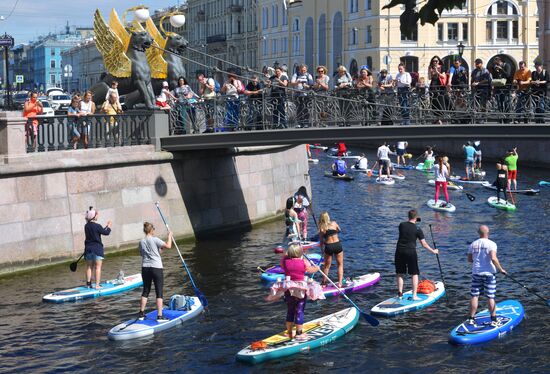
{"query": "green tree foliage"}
[(425, 11)]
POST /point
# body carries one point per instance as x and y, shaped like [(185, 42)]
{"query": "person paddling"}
[(469, 154), (328, 236), (441, 173), (362, 163), (342, 149), (501, 181), (383, 155), (301, 207), (150, 249), (339, 167), (295, 267), (93, 246), (511, 161), (482, 253), (406, 259)]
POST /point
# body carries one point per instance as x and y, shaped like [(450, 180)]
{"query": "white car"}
[(47, 111), (59, 102)]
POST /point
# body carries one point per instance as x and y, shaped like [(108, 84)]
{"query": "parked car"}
[(59, 102), (47, 110)]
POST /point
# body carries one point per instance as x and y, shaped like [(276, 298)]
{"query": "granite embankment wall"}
[(43, 197)]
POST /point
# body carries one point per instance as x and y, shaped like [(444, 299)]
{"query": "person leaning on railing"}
[(321, 86), (365, 85), (539, 89), (185, 96), (73, 114), (386, 90), (278, 84), (207, 91), (522, 80), (254, 91), (232, 88), (403, 81), (502, 75), (342, 85), (31, 109), (481, 86), (302, 82), (112, 108), (87, 108)]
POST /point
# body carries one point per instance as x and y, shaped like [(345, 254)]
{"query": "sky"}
[(32, 18)]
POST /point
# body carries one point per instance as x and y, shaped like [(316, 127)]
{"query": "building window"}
[(274, 47), (537, 29), (489, 30), (265, 47), (411, 38), (452, 31), (52, 79), (465, 31), (369, 63), (368, 35), (353, 36), (368, 4), (515, 31), (285, 45), (52, 52), (285, 18), (274, 16), (502, 7), (296, 25), (353, 6), (52, 64), (265, 18), (440, 32), (502, 29)]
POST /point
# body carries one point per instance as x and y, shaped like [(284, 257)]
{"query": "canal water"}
[(40, 337)]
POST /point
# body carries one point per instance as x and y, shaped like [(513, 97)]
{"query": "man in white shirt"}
[(401, 149), (483, 255), (362, 163), (383, 155), (403, 82), (302, 82)]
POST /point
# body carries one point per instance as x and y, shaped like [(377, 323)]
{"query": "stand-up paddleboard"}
[(306, 245), (316, 146), (450, 185), (404, 167), (458, 179), (396, 305), (509, 315), (133, 329), (393, 176), (495, 202), (272, 273), (353, 285), (544, 183), (354, 168), (110, 287), (313, 160), (349, 157), (479, 173), (530, 191), (317, 333), (346, 177), (420, 167), (386, 181), (440, 206)]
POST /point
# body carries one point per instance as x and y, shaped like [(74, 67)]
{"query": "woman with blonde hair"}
[(321, 79), (328, 236), (150, 249)]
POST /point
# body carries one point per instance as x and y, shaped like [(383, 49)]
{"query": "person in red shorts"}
[(511, 161)]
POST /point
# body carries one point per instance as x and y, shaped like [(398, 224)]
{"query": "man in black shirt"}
[(539, 84), (406, 260), (254, 92)]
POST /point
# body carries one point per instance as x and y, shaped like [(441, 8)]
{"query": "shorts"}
[(74, 130), (406, 263), (92, 257), (400, 152), (485, 283), (149, 275), (512, 174), (162, 104), (478, 156), (333, 248), (469, 162), (383, 163), (295, 309)]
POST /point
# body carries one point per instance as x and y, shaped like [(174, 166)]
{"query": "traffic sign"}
[(387, 59), (6, 41), (19, 79)]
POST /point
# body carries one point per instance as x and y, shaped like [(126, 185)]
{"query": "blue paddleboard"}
[(133, 329), (509, 315), (276, 272), (397, 305), (110, 287)]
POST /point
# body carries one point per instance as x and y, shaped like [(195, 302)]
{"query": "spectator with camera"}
[(539, 89), (501, 73), (522, 80)]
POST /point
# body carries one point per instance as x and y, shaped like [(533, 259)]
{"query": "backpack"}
[(426, 287)]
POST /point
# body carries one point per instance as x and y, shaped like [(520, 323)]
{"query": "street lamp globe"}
[(141, 14), (177, 20)]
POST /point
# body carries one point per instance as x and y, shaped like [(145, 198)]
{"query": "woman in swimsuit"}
[(328, 236)]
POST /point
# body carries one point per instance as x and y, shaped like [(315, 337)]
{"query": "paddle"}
[(528, 289), (370, 319), (73, 265), (199, 294), (544, 183), (438, 262), (470, 196)]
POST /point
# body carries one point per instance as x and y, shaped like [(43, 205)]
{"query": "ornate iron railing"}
[(45, 134), (353, 107)]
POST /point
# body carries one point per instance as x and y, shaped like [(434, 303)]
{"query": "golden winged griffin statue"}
[(138, 59)]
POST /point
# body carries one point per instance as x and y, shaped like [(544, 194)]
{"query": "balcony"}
[(216, 38)]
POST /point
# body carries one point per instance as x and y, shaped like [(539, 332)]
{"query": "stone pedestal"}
[(12, 135)]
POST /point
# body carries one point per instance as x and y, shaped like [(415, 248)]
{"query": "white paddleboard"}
[(385, 181), (313, 160), (450, 185), (437, 206), (396, 305)]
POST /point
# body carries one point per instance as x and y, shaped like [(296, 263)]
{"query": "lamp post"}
[(460, 47)]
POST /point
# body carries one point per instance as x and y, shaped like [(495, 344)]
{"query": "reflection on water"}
[(37, 337)]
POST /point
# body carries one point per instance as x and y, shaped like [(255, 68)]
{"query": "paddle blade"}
[(470, 196), (73, 266), (369, 173), (201, 297), (370, 319)]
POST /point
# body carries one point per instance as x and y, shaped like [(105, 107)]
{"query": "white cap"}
[(165, 84), (91, 214)]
